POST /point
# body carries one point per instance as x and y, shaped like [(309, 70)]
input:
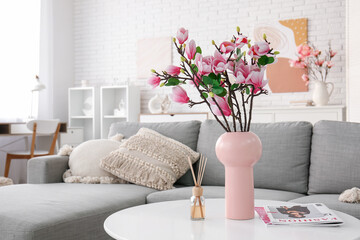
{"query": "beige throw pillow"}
[(150, 159)]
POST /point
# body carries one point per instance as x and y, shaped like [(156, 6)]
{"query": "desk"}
[(19, 128)]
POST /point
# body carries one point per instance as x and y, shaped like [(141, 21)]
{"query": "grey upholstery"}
[(331, 201), (217, 192), (184, 132), (335, 157), (284, 164), (63, 211), (47, 169)]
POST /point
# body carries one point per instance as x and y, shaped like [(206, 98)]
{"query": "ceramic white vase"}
[(154, 104), (321, 95)]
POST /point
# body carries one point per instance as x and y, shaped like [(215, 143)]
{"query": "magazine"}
[(298, 214)]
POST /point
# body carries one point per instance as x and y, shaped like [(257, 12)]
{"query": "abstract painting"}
[(284, 36)]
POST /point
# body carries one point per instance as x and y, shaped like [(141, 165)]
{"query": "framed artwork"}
[(284, 36)]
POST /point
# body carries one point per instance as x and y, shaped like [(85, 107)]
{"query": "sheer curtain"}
[(19, 56)]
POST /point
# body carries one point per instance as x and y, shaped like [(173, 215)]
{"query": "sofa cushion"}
[(184, 132), (284, 164), (62, 210), (331, 201), (84, 161), (217, 192), (335, 157), (150, 159)]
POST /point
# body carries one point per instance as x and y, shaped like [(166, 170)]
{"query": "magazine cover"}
[(309, 214)]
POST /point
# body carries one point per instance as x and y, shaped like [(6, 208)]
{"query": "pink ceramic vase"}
[(239, 151)]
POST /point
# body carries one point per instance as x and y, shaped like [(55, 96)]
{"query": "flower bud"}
[(162, 84), (249, 45), (183, 59), (276, 52), (174, 39), (213, 42), (153, 70), (182, 70), (232, 40), (238, 29), (264, 36), (211, 94)]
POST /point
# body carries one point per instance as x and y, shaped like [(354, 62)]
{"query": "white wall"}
[(106, 33), (56, 57), (353, 52)]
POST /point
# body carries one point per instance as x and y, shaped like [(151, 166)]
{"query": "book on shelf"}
[(298, 214)]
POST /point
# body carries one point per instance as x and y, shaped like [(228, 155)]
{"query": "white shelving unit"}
[(110, 99), (83, 110)]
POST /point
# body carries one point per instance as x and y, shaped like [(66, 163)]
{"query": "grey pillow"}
[(150, 159), (335, 157), (184, 132), (284, 164)]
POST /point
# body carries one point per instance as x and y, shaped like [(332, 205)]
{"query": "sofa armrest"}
[(47, 169)]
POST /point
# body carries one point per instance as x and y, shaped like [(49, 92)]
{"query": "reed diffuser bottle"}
[(197, 209)]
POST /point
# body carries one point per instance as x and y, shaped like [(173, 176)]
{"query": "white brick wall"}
[(106, 33)]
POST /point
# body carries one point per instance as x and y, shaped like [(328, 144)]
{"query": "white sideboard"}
[(311, 114), (173, 117)]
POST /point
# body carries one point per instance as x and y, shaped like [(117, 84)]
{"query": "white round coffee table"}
[(171, 220)]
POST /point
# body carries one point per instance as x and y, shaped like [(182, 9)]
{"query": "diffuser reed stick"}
[(197, 198)]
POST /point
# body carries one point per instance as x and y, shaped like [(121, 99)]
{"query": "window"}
[(19, 56)]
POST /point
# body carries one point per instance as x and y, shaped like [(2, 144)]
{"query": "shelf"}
[(113, 116), (81, 117)]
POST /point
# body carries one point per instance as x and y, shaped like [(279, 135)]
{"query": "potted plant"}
[(236, 69)]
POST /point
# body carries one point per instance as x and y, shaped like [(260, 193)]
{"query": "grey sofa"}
[(300, 163)]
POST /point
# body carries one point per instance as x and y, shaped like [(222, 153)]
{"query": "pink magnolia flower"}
[(182, 35), (305, 77), (190, 49), (259, 49), (297, 63), (219, 63), (329, 64), (227, 47), (154, 81), (179, 95), (241, 41), (221, 101), (319, 62), (204, 64), (257, 79), (316, 53), (304, 50), (173, 70), (243, 73), (332, 53)]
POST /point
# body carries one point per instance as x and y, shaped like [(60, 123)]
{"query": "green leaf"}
[(207, 80), (220, 91), (193, 66), (212, 75), (172, 82), (216, 83), (247, 90), (263, 60), (205, 95), (271, 60), (235, 85), (198, 50), (238, 51)]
